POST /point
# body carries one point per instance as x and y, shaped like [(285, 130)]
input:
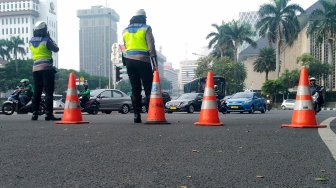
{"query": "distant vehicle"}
[(187, 102), (58, 103), (112, 100), (246, 102), (198, 86), (223, 104), (165, 96), (288, 104)]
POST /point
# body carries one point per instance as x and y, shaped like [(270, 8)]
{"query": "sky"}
[(179, 27)]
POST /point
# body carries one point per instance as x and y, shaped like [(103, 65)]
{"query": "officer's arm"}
[(51, 45), (151, 46)]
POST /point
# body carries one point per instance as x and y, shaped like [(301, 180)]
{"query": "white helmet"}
[(40, 25), (312, 79)]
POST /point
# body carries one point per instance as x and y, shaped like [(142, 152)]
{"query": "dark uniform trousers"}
[(44, 80), (139, 72)]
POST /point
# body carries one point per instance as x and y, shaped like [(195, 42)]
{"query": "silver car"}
[(112, 100), (288, 104)]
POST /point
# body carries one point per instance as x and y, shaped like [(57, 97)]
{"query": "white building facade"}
[(172, 76), (187, 71), (18, 17)]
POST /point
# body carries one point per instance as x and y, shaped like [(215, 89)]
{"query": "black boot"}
[(52, 118), (137, 118), (34, 117)]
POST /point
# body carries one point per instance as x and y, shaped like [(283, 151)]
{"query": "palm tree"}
[(265, 61), (17, 47), (323, 26), (238, 33), (279, 22), (4, 49), (219, 39)]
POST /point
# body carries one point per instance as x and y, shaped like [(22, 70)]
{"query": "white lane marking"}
[(328, 136)]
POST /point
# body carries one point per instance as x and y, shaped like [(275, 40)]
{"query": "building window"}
[(26, 29), (24, 5), (14, 30), (18, 30), (14, 19), (10, 31), (3, 31), (12, 7), (18, 20), (15, 6), (6, 21), (10, 20), (22, 30), (33, 21), (20, 5), (26, 20), (26, 39), (7, 6), (2, 21), (22, 20)]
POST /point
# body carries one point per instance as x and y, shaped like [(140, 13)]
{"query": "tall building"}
[(187, 71), (97, 33), (161, 61), (18, 17), (171, 75), (251, 18)]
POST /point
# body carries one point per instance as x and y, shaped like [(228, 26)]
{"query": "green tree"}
[(323, 27), (9, 79), (279, 22), (4, 49), (265, 61), (237, 33), (315, 67), (219, 39), (203, 66), (233, 72), (272, 88), (124, 86), (16, 46), (290, 79)]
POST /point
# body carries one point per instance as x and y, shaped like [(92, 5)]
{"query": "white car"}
[(288, 104)]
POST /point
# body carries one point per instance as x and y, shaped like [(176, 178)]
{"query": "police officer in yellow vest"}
[(140, 59), (42, 46)]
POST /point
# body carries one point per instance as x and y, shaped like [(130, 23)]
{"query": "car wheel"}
[(241, 112), (283, 107), (125, 109), (8, 109), (169, 112), (191, 109), (251, 111), (143, 109), (263, 110)]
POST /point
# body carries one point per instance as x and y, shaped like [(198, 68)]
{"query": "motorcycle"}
[(91, 106), (268, 104), (223, 106), (317, 100), (13, 104)]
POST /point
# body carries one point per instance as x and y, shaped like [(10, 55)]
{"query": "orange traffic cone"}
[(156, 113), (72, 112), (209, 112), (303, 114)]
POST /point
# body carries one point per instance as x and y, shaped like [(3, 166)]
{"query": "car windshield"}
[(95, 92), (187, 96), (242, 95)]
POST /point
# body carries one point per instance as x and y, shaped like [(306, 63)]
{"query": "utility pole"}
[(114, 59)]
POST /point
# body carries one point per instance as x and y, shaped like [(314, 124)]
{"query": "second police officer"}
[(140, 59)]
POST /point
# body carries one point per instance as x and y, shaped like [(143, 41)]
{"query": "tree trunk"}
[(266, 72), (277, 64), (330, 81), (235, 54), (16, 64)]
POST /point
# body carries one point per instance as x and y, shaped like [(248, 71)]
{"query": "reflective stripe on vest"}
[(135, 39), (40, 52)]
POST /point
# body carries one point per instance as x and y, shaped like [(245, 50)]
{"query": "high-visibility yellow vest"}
[(39, 49), (135, 39)]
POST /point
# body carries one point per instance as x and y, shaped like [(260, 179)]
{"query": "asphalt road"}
[(250, 150)]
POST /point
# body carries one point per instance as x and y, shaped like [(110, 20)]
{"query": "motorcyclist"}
[(26, 92), (316, 88), (85, 94)]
